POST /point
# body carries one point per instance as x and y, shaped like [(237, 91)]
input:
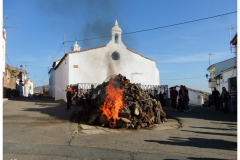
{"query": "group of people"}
[(159, 97), (221, 101), (182, 97), (78, 98)]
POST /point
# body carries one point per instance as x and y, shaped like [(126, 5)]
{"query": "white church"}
[(96, 65)]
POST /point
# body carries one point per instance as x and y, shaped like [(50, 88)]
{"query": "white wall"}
[(54, 73), (51, 83), (50, 87), (62, 79), (29, 86), (2, 69), (193, 97), (3, 45), (94, 66), (224, 81)]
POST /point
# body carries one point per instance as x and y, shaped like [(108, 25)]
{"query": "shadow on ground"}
[(33, 99), (199, 143), (200, 112), (48, 106), (194, 158), (211, 133)]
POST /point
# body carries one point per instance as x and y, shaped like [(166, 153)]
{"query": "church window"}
[(116, 38), (115, 56)]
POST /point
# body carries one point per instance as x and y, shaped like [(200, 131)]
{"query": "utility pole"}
[(64, 42), (230, 37), (34, 80)]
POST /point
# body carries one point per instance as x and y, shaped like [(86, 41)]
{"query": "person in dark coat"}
[(216, 95), (156, 95), (161, 98), (175, 97), (225, 98), (171, 96)]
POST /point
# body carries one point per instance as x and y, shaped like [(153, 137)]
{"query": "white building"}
[(96, 65), (223, 74), (2, 59), (227, 78), (28, 88), (52, 79), (3, 56)]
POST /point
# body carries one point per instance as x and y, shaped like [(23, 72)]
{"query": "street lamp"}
[(21, 67), (207, 76)]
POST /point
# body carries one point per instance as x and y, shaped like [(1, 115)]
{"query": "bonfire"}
[(121, 104)]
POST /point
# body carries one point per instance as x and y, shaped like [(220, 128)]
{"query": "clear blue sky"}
[(180, 51)]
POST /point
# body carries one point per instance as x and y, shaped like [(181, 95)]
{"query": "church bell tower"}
[(116, 32)]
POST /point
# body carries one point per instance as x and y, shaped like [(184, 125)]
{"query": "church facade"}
[(97, 65)]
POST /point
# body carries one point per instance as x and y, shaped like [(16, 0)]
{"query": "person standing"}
[(176, 95), (161, 98), (180, 99), (224, 97), (91, 90), (172, 94), (216, 94), (156, 95), (164, 98), (69, 97), (81, 97), (233, 94), (185, 99), (87, 96), (74, 97)]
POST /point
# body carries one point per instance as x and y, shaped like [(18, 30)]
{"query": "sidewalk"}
[(5, 99)]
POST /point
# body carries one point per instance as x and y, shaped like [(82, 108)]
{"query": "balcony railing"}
[(211, 83)]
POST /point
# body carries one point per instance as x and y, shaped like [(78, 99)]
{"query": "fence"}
[(149, 88), (159, 88)]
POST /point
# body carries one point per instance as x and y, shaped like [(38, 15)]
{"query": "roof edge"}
[(76, 52), (234, 67), (194, 90), (140, 54), (221, 62)]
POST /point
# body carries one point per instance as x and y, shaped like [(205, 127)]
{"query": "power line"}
[(55, 55), (8, 60), (44, 76), (182, 23), (145, 30), (51, 61)]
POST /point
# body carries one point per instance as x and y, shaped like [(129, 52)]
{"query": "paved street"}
[(40, 129)]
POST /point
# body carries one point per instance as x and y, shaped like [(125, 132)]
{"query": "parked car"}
[(37, 95), (208, 101)]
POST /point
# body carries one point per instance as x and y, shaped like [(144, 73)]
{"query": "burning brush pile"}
[(120, 104)]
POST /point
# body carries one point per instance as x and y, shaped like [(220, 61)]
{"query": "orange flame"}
[(112, 104)]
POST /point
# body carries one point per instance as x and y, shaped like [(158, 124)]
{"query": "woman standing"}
[(74, 97), (69, 97)]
